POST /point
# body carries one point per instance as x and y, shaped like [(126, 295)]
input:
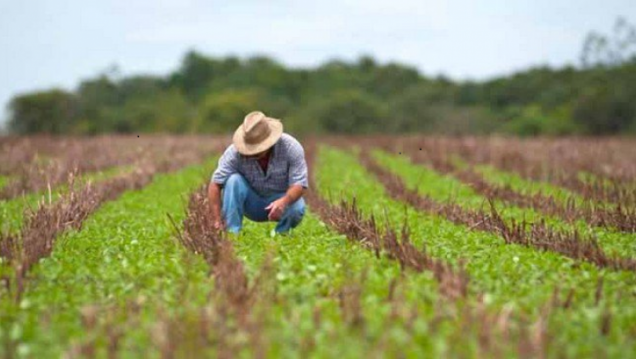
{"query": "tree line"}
[(211, 95)]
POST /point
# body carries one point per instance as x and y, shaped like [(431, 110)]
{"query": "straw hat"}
[(257, 133)]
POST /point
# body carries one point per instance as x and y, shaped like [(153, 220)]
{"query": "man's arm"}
[(294, 192), (214, 197)]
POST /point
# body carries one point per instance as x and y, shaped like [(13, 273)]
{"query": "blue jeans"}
[(240, 199)]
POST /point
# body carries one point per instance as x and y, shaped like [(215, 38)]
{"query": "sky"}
[(45, 43)]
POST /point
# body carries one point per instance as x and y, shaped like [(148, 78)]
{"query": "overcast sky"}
[(47, 43)]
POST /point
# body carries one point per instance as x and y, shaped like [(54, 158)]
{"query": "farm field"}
[(411, 246)]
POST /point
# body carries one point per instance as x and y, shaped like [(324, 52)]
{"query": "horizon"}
[(141, 39)]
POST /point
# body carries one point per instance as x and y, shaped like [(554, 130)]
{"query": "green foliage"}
[(311, 267), (124, 252), (52, 111), (446, 188), (168, 111), (220, 112), (533, 121), (126, 256), (418, 109), (606, 109), (516, 277), (613, 242), (12, 211), (98, 101), (351, 112)]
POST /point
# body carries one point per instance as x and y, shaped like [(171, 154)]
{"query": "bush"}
[(605, 110), (165, 112), (351, 112), (534, 121), (223, 112), (53, 111)]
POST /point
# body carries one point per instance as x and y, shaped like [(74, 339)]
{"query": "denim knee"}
[(297, 210), (235, 189)]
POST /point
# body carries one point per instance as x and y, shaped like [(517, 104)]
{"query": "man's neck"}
[(264, 161)]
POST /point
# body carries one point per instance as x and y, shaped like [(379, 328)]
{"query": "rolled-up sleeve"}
[(228, 165), (298, 166)]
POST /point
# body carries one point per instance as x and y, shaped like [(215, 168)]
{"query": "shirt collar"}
[(271, 156)]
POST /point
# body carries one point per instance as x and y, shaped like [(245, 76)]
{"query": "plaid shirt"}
[(286, 167)]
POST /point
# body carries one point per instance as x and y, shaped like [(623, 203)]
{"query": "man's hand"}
[(277, 208)]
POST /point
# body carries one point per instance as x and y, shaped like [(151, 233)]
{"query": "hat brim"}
[(246, 149)]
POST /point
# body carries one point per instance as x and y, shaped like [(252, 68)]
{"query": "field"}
[(411, 247)]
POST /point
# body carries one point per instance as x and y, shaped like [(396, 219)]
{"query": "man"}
[(263, 175)]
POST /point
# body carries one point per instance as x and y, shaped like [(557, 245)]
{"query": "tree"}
[(222, 112), (392, 80), (610, 50), (196, 73), (604, 111), (534, 121), (140, 86), (363, 96), (416, 109), (166, 111), (351, 112), (53, 111), (99, 101)]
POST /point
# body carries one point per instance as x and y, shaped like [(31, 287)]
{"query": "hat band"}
[(257, 134)]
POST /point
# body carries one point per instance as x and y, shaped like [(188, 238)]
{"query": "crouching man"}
[(262, 176)]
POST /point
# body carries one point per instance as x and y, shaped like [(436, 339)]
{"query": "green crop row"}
[(314, 268), (12, 211), (444, 188), (324, 296), (511, 276), (3, 181), (613, 242), (116, 259), (525, 186), (125, 251)]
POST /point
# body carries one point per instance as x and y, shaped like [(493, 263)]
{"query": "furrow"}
[(124, 248), (511, 275), (347, 219), (444, 185), (13, 211), (234, 297), (601, 171), (617, 217), (67, 156), (539, 235), (43, 225)]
